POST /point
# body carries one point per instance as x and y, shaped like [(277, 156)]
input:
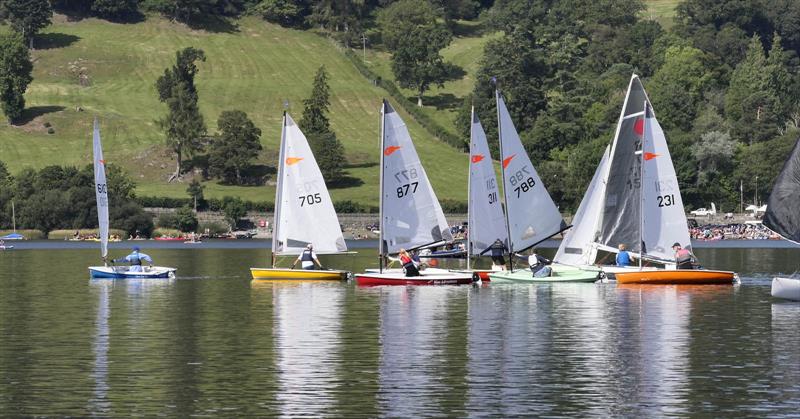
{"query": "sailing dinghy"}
[(643, 204), (101, 195), (531, 215), (304, 212), (783, 218), (410, 214), (485, 216)]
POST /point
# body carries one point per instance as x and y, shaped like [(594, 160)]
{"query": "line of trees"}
[(57, 197), (722, 80)]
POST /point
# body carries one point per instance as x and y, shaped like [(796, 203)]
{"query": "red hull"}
[(370, 280)]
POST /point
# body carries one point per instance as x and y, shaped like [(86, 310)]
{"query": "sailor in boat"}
[(409, 267), (539, 265), (308, 259), (498, 249), (623, 257), (683, 257), (135, 259)]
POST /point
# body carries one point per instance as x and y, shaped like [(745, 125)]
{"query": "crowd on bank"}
[(732, 232)]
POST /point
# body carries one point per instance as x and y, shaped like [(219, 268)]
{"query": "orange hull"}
[(676, 276)]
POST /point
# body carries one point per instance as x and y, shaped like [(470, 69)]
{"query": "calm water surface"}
[(211, 342)]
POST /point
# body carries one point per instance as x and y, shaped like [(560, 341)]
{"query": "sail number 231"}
[(666, 200)]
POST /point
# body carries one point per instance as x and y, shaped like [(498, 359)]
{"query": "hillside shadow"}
[(29, 114), (364, 165), (466, 29), (345, 182), (442, 101), (55, 40), (257, 174), (214, 24)]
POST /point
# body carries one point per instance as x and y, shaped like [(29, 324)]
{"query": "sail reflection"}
[(307, 318), (413, 323), (786, 351), (99, 404), (656, 325)]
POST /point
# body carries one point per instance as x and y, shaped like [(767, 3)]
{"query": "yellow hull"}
[(297, 274)]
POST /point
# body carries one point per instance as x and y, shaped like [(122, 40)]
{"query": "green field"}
[(662, 11), (254, 69)]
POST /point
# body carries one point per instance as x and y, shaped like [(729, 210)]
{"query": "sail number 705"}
[(310, 199)]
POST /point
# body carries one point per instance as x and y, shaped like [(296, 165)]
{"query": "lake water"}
[(212, 342)]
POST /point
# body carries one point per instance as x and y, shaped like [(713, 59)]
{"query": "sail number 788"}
[(522, 182)]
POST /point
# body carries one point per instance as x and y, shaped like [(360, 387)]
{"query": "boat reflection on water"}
[(137, 292), (307, 334), (417, 331), (785, 344)]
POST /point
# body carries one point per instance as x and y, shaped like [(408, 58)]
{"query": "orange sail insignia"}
[(507, 160), (391, 149)]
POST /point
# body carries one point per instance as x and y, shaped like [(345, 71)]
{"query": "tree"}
[(283, 12), (235, 147), (417, 63), (677, 88), (410, 30), (327, 149), (183, 125), (27, 17), (15, 75), (234, 209), (195, 191), (185, 220), (115, 9)]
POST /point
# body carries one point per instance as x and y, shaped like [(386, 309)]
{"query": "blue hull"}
[(106, 273)]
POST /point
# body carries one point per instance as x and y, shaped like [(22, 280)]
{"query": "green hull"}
[(561, 273)]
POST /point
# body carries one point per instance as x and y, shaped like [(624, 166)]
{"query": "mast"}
[(641, 186), (278, 192), (503, 175), (469, 188), (13, 217), (380, 196)]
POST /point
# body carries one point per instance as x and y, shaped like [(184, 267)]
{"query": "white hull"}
[(787, 288)]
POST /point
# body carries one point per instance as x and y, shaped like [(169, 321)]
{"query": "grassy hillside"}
[(253, 68), (466, 51), (662, 11)]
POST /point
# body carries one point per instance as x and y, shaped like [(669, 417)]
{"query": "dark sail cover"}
[(621, 218), (783, 206)]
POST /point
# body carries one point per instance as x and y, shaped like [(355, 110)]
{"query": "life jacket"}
[(137, 261), (306, 256), (682, 256)]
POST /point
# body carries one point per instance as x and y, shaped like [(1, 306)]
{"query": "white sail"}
[(304, 211), (100, 189), (577, 247), (663, 217), (411, 216), (532, 214), (487, 222)]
